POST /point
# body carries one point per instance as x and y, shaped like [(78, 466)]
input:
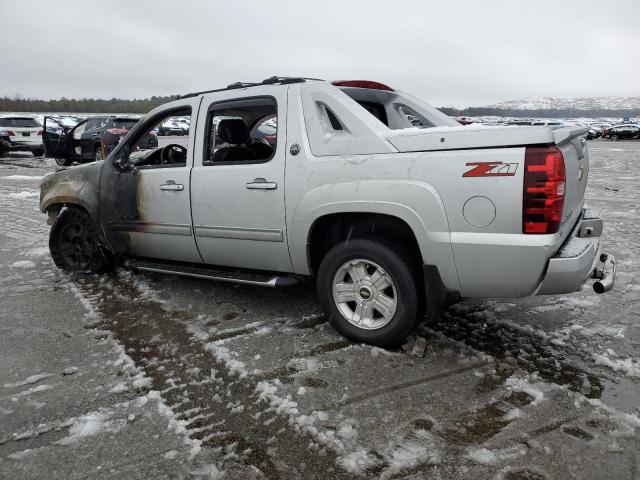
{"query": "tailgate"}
[(570, 140)]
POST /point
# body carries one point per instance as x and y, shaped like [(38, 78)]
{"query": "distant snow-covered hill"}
[(570, 103)]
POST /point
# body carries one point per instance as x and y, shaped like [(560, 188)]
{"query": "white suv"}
[(22, 133)]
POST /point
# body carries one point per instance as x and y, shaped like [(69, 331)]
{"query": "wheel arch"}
[(416, 206)]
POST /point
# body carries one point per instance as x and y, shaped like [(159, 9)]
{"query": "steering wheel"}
[(172, 154), (263, 140)]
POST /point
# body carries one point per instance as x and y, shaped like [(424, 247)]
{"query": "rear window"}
[(24, 122), (127, 123)]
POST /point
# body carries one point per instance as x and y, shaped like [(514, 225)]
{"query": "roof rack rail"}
[(267, 81)]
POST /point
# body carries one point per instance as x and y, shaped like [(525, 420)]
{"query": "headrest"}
[(233, 131)]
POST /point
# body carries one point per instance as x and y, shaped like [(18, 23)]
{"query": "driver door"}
[(154, 214)]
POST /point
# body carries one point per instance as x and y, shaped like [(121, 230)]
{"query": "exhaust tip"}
[(598, 287)]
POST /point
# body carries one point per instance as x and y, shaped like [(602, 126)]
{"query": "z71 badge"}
[(491, 169)]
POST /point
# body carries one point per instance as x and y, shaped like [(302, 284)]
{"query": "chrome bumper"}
[(579, 259)]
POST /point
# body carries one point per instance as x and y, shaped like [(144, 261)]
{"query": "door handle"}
[(172, 186), (261, 184)]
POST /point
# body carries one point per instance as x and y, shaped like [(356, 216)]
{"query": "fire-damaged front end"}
[(78, 186), (105, 192)]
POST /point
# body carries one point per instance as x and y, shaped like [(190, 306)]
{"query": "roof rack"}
[(267, 81)]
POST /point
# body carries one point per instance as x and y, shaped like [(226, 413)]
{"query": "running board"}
[(245, 277)]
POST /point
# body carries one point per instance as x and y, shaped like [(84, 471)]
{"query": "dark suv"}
[(621, 132), (91, 139)]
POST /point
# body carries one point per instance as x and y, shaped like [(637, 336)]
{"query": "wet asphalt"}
[(254, 383)]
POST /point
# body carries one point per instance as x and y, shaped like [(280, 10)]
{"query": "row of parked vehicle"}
[(614, 131), (82, 138)]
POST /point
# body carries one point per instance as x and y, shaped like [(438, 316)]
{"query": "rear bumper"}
[(579, 259), (25, 145)]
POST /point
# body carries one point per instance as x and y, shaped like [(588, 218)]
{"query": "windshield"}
[(19, 122)]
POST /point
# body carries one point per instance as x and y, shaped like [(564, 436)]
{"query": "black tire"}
[(614, 138), (63, 162), (396, 262), (74, 243)]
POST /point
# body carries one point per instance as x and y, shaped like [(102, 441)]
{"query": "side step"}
[(245, 277)]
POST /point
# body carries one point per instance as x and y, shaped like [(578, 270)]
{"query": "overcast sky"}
[(451, 53)]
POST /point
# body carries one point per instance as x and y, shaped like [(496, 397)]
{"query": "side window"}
[(328, 119), (413, 117), (147, 149), (79, 130), (243, 131)]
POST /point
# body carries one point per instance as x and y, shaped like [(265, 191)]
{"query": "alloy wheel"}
[(365, 294)]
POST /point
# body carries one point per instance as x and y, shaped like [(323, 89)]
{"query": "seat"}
[(234, 132)]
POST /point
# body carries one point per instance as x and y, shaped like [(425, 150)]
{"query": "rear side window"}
[(25, 122)]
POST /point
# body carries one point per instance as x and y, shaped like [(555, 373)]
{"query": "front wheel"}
[(368, 290), (74, 244), (614, 138)]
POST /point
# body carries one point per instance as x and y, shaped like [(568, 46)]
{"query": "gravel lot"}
[(139, 376)]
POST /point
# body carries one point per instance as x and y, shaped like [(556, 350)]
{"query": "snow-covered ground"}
[(252, 383)]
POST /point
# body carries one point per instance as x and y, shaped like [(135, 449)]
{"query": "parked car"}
[(22, 133), (91, 139), (547, 123), (625, 131), (593, 133), (386, 217), (173, 127), (5, 143)]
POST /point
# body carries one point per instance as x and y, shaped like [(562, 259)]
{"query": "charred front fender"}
[(72, 186)]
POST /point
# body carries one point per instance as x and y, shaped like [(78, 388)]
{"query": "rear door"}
[(238, 206)]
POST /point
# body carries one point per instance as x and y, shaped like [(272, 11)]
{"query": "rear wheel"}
[(63, 162), (368, 291), (74, 244), (614, 138)]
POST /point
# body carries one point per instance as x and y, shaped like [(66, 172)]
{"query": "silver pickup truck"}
[(395, 209)]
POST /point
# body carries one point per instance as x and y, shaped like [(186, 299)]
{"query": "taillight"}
[(117, 131), (543, 192), (39, 133), (11, 133)]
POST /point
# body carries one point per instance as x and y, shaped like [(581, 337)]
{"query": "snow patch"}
[(224, 355), (482, 456), (520, 384), (29, 380), (32, 390), (90, 425), (24, 195), (23, 177), (629, 366), (23, 264)]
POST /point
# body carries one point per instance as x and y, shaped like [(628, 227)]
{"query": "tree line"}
[(143, 105), (83, 105)]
